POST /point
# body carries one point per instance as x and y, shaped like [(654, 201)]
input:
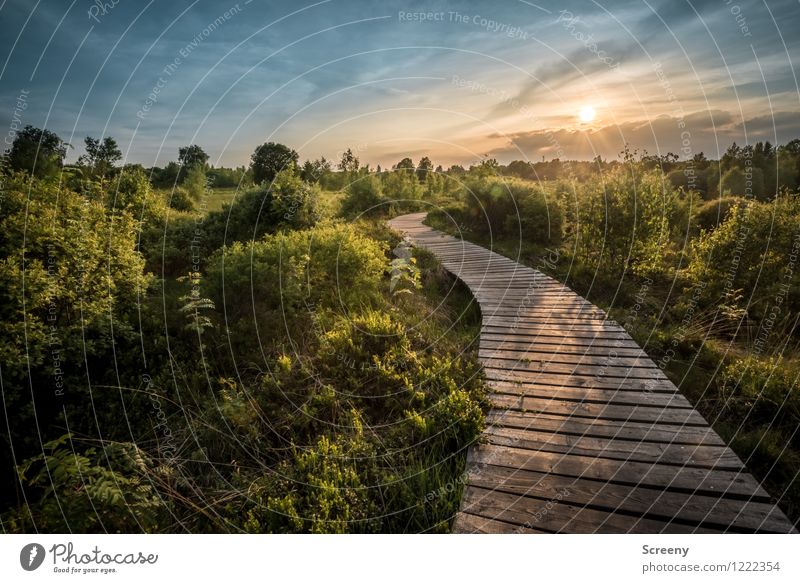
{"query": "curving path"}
[(586, 433)]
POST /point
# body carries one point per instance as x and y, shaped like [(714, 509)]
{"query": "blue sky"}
[(452, 80)]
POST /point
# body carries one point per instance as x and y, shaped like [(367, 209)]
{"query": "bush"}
[(229, 177), (131, 192), (761, 391), (180, 200), (634, 223), (365, 197), (287, 203), (328, 267), (321, 490), (403, 187), (740, 183), (678, 178), (195, 182), (387, 425), (89, 491), (377, 418), (713, 212), (511, 207), (69, 308), (742, 264), (541, 218)]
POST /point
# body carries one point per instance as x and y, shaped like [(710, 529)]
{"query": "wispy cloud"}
[(708, 132), (330, 81)]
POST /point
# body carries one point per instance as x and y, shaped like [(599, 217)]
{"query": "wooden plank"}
[(598, 411), (707, 511), (558, 349), (610, 357), (592, 395), (553, 324), (568, 380), (694, 480), (579, 407), (466, 523), (554, 516), (637, 431), (527, 330), (490, 335), (515, 317), (534, 366), (717, 457)]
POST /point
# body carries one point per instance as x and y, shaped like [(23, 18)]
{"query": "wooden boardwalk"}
[(586, 434)]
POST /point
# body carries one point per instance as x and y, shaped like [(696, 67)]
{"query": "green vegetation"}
[(37, 152), (263, 364), (710, 288), (251, 350)]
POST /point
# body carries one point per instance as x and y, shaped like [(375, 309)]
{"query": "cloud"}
[(576, 66), (786, 124), (706, 131), (328, 52), (677, 14)]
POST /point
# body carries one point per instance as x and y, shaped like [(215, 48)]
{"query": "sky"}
[(456, 81)]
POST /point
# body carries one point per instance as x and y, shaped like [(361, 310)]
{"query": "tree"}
[(725, 267), (313, 170), (100, 157), (520, 169), (349, 162), (402, 186), (792, 147), (39, 152), (189, 156), (405, 164), (271, 158), (425, 166), (364, 196), (166, 176), (738, 182), (487, 167), (731, 157), (700, 161), (133, 193), (195, 182), (286, 202)]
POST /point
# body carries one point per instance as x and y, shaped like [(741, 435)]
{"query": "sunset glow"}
[(587, 114)]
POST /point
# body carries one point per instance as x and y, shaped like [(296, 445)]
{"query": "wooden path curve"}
[(586, 433)]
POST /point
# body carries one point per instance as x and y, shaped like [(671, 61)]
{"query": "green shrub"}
[(89, 491), (324, 489), (195, 182), (742, 264), (364, 197), (73, 286), (761, 391), (330, 267), (712, 213), (403, 187), (511, 207), (180, 200), (131, 192), (749, 184), (285, 203), (634, 221)]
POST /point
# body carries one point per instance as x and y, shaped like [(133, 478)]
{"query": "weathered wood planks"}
[(586, 434)]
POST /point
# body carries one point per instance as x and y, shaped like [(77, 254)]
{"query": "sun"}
[(587, 114)]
